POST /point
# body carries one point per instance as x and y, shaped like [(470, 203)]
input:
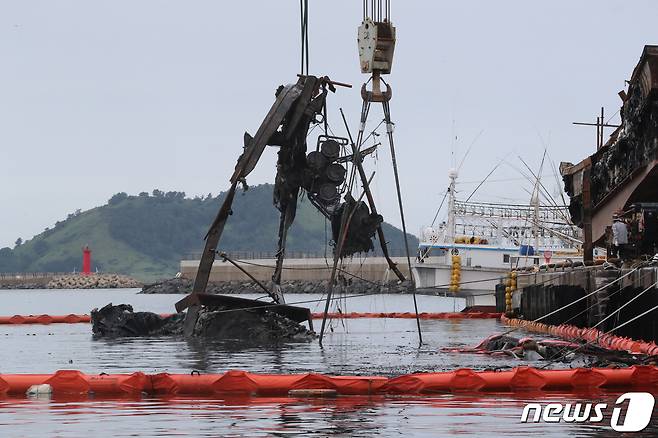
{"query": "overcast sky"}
[(98, 97)]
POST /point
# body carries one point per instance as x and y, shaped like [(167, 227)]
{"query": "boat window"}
[(505, 258), (468, 261)]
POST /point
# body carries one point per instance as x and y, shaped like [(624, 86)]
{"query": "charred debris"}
[(327, 171), (251, 326), (320, 173), (621, 177)]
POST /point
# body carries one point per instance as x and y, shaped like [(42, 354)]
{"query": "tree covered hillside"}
[(146, 236)]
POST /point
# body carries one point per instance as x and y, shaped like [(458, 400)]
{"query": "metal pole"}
[(344, 227), (356, 160), (602, 123), (389, 131)]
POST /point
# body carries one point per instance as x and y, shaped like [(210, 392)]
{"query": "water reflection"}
[(440, 415), (375, 347)]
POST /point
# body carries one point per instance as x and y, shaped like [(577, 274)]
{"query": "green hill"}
[(146, 236)]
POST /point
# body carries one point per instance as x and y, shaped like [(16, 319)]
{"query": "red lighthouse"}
[(86, 260)]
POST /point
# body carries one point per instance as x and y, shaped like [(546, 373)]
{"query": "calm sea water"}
[(360, 346)]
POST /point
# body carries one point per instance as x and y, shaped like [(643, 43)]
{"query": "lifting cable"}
[(303, 11), (379, 10)]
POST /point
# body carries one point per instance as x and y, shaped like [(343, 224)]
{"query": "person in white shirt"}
[(619, 236)]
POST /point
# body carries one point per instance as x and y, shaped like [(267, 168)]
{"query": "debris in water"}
[(252, 325), (556, 351)]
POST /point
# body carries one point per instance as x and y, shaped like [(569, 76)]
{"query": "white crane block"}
[(376, 46)]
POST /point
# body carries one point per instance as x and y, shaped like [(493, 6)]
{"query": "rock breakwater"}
[(93, 281), (353, 286)]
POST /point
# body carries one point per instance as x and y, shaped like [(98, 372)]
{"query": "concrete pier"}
[(306, 269), (540, 293)]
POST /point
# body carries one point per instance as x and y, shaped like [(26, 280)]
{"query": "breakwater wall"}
[(301, 269), (184, 285), (66, 281)]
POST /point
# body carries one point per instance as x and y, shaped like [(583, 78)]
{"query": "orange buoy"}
[(75, 319), (312, 384), (588, 334)]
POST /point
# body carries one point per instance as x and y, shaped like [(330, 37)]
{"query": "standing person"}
[(619, 236), (609, 246)]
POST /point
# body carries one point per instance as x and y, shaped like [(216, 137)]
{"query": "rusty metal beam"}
[(207, 259), (246, 163)]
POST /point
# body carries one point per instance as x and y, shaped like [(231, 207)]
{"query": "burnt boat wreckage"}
[(619, 295), (326, 174), (621, 178)]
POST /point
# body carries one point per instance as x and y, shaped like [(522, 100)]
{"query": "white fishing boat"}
[(480, 242)]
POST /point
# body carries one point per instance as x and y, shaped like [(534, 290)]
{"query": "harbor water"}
[(386, 347)]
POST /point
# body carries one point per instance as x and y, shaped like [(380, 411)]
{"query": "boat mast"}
[(535, 202), (450, 229), (535, 222)]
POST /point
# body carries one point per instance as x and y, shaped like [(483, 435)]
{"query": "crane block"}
[(376, 46)]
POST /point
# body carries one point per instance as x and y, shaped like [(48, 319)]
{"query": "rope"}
[(586, 296), (299, 302), (633, 319), (596, 304), (344, 227), (440, 206), (438, 286), (484, 180), (626, 304), (562, 356), (574, 302)]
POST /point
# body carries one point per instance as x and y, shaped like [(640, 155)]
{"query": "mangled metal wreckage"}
[(622, 175), (321, 174)]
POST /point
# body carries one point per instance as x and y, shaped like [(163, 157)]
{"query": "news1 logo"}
[(637, 418)]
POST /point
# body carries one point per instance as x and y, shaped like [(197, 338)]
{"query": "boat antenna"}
[(545, 190), (486, 178), (468, 151), (546, 144), (453, 143)]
